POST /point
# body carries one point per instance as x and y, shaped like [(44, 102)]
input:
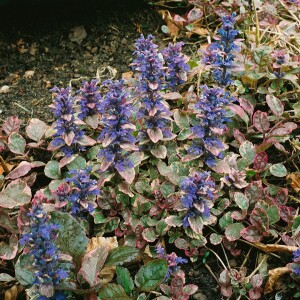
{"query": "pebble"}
[(199, 296), (4, 89)]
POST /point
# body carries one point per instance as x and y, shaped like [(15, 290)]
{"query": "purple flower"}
[(198, 196), (176, 63), (117, 134), (83, 193), (154, 110), (89, 99), (296, 264), (172, 260), (39, 242), (220, 53), (67, 132), (212, 123)]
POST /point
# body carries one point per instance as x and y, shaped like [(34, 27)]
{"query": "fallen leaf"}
[(173, 27), (275, 247), (295, 181), (274, 275), (127, 75), (96, 242), (9, 167)]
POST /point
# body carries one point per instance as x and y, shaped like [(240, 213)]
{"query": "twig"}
[(3, 164), (218, 257), (211, 272)]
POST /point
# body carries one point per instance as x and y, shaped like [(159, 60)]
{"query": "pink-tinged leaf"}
[(251, 234), (233, 231), (174, 221), (226, 291), (194, 15), (7, 223), (165, 289), (181, 244), (239, 137), (128, 174), (153, 85), (236, 215), (290, 125), (159, 152), (16, 193), (11, 124), (68, 137), (280, 148), (178, 18), (261, 121), (92, 121), (36, 129), (190, 289), (86, 141), (281, 197), (171, 96), (215, 150), (216, 239), (259, 218), (107, 140), (104, 177), (221, 166), (37, 164), (275, 105), (124, 187), (128, 146), (9, 251), (254, 294), (241, 200), (181, 119), (196, 224), (22, 169), (280, 131), (256, 281), (152, 111), (224, 278), (254, 191), (190, 157), (155, 134), (52, 147), (239, 111), (66, 160), (260, 161), (16, 143), (92, 264), (105, 163), (36, 145), (149, 235), (220, 11), (136, 158), (246, 106), (287, 214)]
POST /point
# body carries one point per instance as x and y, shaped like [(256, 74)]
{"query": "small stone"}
[(4, 89), (199, 296)]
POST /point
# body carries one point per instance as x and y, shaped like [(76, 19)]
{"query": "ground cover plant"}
[(187, 159)]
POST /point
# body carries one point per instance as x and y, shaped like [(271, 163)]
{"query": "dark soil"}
[(35, 37)]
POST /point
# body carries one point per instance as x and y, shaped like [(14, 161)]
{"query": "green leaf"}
[(215, 239), (181, 119), (159, 151), (120, 255), (273, 214), (9, 251), (71, 237), (233, 231), (124, 279), (275, 105), (151, 275), (16, 143), (184, 134), (17, 193), (247, 151), (52, 169), (22, 270), (112, 292), (36, 129), (226, 220), (167, 188), (278, 170), (6, 277), (162, 227), (78, 163), (241, 200), (296, 107)]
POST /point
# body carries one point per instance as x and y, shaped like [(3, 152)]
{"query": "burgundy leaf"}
[(287, 213), (260, 161), (11, 124), (239, 137), (281, 197), (259, 218), (251, 234), (261, 121), (247, 106), (254, 191)]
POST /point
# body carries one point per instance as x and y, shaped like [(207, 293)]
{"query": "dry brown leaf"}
[(107, 274), (295, 181), (275, 247), (200, 31), (95, 242), (9, 167), (127, 75), (274, 276), (173, 27)]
